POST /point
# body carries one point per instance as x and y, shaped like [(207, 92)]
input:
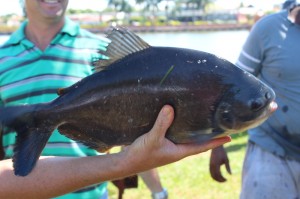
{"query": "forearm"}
[(54, 176)]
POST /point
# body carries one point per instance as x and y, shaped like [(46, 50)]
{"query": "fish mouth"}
[(271, 108), (232, 124)]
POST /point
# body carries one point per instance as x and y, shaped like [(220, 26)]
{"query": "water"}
[(3, 38), (226, 44)]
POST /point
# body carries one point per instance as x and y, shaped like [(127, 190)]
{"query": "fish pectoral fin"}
[(28, 148)]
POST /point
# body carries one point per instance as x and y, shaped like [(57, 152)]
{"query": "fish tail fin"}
[(32, 134), (29, 146)]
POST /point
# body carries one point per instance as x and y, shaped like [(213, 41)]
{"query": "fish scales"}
[(121, 100)]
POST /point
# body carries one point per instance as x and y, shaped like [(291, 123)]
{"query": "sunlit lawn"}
[(190, 179)]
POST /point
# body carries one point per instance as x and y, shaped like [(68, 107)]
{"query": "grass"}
[(190, 178)]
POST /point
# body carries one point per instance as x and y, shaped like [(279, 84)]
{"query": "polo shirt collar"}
[(18, 35)]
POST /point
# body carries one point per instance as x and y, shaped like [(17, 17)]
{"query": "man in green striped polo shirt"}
[(49, 52), (46, 53)]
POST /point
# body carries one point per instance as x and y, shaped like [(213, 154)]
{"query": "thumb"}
[(163, 121)]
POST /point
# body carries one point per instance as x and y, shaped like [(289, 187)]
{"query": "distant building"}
[(93, 18), (86, 18), (12, 20)]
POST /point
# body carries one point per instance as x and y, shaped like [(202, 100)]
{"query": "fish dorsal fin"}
[(123, 43)]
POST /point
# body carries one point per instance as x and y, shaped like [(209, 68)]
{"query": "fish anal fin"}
[(123, 43), (28, 148), (74, 133)]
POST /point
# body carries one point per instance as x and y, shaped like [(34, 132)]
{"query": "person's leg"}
[(152, 180), (266, 176), (294, 167)]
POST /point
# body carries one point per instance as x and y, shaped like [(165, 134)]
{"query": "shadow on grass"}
[(236, 147)]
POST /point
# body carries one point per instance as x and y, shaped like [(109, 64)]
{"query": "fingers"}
[(214, 143), (199, 148), (217, 159), (216, 175), (216, 172), (228, 169)]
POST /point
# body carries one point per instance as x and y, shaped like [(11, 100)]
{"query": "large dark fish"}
[(121, 101)]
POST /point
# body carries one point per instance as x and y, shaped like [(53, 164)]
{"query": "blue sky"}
[(13, 6)]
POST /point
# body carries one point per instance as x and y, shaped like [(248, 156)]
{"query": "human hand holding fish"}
[(153, 149)]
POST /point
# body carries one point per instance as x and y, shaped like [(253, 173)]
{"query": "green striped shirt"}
[(29, 75)]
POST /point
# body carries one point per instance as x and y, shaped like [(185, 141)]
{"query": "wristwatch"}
[(160, 195)]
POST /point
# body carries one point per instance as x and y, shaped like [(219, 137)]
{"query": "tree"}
[(120, 5), (150, 5), (196, 4)]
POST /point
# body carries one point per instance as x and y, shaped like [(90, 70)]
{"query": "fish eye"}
[(227, 117)]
